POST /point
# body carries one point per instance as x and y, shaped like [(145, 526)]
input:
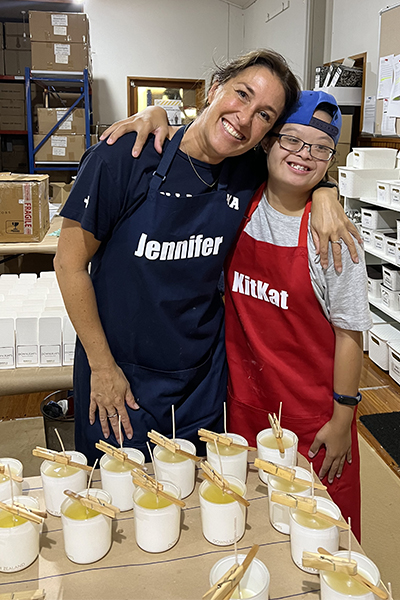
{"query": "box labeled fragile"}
[(361, 183), (24, 207), (374, 158), (378, 218)]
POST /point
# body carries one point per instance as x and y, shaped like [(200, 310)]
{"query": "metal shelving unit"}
[(56, 82)]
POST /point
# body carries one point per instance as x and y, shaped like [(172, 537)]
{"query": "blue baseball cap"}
[(303, 113)]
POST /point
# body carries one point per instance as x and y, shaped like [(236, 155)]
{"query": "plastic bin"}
[(64, 424)]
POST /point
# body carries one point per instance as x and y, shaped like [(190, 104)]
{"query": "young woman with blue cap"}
[(293, 329)]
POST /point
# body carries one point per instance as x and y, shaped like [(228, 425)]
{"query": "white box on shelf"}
[(397, 256), (27, 342), (374, 158), (391, 277), (7, 342), (390, 245), (379, 336), (394, 360), (368, 237), (69, 339), (361, 183), (28, 277), (390, 299), (384, 190), (379, 240), (376, 318), (395, 195), (50, 330), (375, 278), (378, 218)]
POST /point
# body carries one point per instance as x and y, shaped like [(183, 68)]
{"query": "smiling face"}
[(240, 113), (298, 170)]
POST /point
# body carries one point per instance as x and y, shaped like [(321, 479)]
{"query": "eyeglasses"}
[(294, 144)]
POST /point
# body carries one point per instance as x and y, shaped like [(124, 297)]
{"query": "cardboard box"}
[(16, 61), (59, 192), (24, 207), (12, 123), (1, 36), (48, 56), (17, 36), (347, 125), (11, 107), (62, 99), (48, 117), (61, 148), (58, 27), (2, 64), (15, 91)]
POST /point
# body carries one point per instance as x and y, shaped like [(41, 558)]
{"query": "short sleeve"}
[(95, 200)]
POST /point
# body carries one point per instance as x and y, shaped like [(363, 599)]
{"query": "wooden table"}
[(182, 573)]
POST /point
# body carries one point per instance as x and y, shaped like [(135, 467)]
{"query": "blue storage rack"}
[(56, 80)]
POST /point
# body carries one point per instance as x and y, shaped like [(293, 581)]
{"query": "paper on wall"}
[(369, 115), (394, 98), (388, 126), (385, 76)]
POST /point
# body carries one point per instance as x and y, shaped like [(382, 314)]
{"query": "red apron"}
[(280, 347)]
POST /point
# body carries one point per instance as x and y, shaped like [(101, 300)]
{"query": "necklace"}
[(210, 185)]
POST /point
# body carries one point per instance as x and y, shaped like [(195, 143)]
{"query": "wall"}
[(286, 33), (156, 38), (355, 29)]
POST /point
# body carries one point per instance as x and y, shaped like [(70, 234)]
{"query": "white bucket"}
[(287, 459), (305, 538), (255, 582), (234, 462), (330, 580), (119, 484), (5, 487), (218, 520), (182, 473), (19, 545), (53, 487), (157, 529), (279, 514), (88, 540)]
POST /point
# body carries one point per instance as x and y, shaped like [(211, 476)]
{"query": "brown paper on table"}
[(182, 573)]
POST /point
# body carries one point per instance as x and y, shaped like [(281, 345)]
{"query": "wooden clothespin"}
[(26, 595), (308, 505), (164, 442), (214, 477), (62, 459), (94, 503), (277, 431), (224, 588), (370, 586), (118, 454), (284, 472), (151, 485), (22, 512), (39, 513), (324, 562), (220, 438), (16, 478)]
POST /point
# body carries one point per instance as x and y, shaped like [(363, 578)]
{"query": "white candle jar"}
[(182, 472), (287, 458), (19, 544), (63, 478), (234, 460), (279, 514), (255, 582), (116, 478), (309, 538), (218, 519), (332, 583), (86, 540), (5, 487), (156, 529)]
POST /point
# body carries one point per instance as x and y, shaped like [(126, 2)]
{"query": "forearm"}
[(80, 302), (348, 361)]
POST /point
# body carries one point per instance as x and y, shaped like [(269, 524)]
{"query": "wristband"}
[(347, 400), (327, 184)]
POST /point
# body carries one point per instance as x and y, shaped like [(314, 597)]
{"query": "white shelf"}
[(380, 255), (374, 202), (393, 314)]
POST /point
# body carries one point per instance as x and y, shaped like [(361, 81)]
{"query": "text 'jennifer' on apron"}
[(164, 322)]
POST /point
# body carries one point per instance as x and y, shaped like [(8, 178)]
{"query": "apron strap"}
[(303, 233), (160, 174)]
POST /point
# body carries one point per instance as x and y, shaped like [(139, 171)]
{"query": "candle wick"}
[(91, 477), (60, 440), (225, 429), (220, 464), (173, 422)]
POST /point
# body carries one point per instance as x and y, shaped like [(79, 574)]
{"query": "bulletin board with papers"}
[(387, 115)]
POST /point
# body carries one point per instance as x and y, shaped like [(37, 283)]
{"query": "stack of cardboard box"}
[(2, 70), (12, 106), (60, 41), (18, 48)]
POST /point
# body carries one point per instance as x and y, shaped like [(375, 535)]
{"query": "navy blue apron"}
[(156, 290)]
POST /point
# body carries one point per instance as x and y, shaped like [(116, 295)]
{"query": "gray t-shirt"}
[(343, 296)]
